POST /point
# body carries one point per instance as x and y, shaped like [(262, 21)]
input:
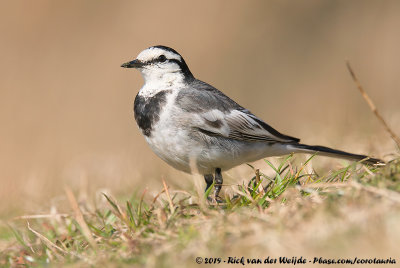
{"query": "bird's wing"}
[(218, 115), (240, 125)]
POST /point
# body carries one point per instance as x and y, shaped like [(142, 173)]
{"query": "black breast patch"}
[(147, 110)]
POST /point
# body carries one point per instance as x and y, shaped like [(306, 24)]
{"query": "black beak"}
[(132, 64)]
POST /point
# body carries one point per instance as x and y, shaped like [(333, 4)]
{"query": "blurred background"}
[(66, 105)]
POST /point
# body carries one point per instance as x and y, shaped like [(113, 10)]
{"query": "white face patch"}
[(160, 75)]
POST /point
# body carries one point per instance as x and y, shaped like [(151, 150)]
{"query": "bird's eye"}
[(162, 58)]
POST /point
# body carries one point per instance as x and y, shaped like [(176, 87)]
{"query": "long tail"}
[(322, 150)]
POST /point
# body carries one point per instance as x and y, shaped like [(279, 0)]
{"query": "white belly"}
[(168, 144), (203, 154)]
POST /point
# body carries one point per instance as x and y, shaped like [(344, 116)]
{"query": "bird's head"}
[(160, 64)]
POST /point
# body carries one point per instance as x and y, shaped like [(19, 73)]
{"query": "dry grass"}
[(347, 213)]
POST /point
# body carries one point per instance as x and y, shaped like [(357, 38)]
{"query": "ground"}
[(296, 215)]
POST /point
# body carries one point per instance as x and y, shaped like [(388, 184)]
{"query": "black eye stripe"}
[(159, 59), (176, 61)]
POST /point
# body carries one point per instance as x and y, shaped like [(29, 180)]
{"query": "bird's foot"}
[(215, 199)]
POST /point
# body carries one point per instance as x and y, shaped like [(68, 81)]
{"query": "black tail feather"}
[(322, 150)]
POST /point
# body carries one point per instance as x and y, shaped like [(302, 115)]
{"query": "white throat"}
[(156, 80)]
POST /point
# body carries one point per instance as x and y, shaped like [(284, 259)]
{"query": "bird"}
[(195, 127)]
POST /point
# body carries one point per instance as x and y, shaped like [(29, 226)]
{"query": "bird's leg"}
[(218, 183), (209, 178)]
